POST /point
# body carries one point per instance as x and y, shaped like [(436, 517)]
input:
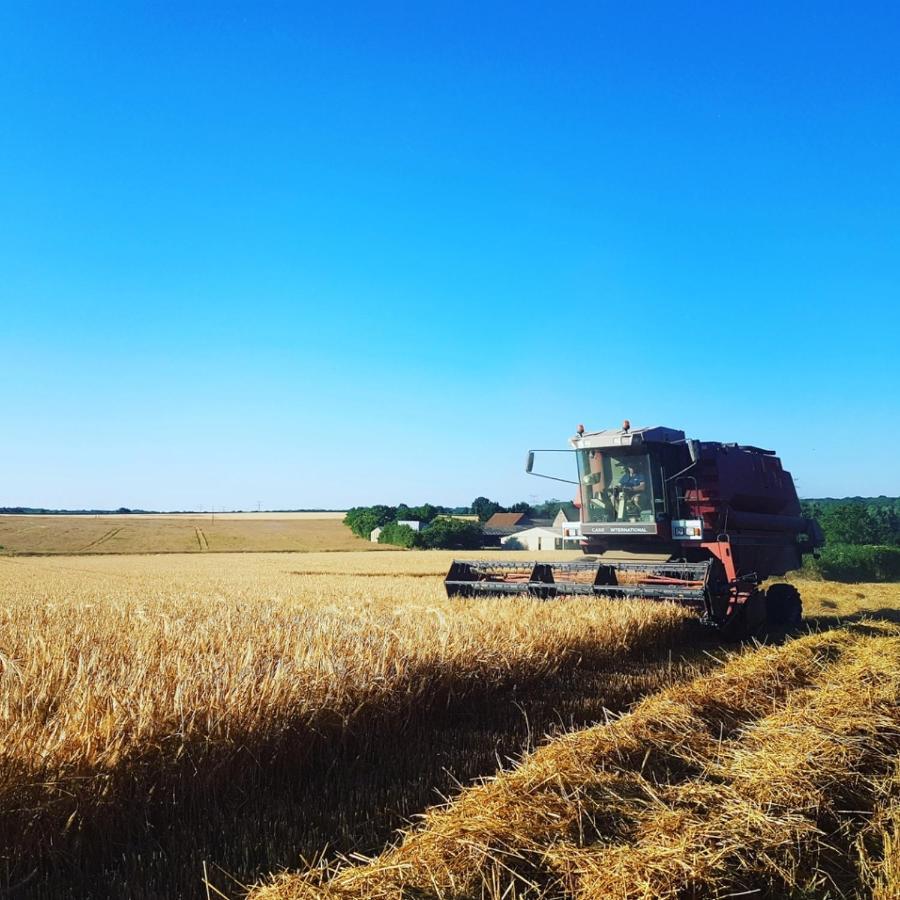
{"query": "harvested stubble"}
[(758, 776), (129, 683)]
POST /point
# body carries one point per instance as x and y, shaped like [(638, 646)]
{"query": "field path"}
[(201, 538), (102, 539)]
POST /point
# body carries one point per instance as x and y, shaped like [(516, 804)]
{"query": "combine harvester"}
[(668, 518)]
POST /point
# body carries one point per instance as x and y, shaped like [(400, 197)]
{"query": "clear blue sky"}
[(325, 254)]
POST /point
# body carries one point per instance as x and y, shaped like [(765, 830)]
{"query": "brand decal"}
[(619, 528)]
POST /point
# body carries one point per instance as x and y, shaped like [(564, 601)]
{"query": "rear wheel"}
[(784, 608)]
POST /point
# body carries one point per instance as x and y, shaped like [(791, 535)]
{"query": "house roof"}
[(569, 512), (505, 520)]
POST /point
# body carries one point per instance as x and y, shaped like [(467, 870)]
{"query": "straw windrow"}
[(756, 776)]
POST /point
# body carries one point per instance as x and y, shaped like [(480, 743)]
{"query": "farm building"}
[(563, 533), (374, 534), (507, 520), (569, 524), (503, 525), (562, 518), (539, 538), (502, 528)]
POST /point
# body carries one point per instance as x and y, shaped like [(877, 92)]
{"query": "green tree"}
[(485, 508), (849, 523), (854, 562), (424, 513), (857, 520), (451, 534), (361, 520), (399, 535)]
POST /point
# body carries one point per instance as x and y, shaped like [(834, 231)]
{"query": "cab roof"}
[(619, 437)]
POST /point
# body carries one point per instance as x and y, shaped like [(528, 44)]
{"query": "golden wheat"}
[(121, 675), (141, 691), (754, 777)]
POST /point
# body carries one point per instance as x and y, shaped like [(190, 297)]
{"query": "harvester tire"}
[(746, 621), (784, 608), (756, 614), (734, 628)]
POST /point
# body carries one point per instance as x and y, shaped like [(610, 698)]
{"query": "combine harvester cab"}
[(668, 518)]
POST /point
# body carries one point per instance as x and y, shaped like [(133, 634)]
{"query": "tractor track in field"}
[(201, 539), (102, 539)]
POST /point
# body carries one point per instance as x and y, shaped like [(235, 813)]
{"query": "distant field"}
[(237, 516), (190, 533)]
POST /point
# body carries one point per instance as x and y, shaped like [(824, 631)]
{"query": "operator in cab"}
[(634, 485)]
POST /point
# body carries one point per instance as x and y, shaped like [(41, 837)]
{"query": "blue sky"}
[(318, 255)]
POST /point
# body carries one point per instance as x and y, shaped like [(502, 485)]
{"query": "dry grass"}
[(879, 843), (828, 601), (177, 534), (756, 777), (129, 682)]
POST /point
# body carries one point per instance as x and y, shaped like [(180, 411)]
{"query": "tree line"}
[(438, 528), (858, 521), (862, 538)]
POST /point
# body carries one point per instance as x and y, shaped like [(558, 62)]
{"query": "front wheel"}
[(747, 620), (784, 608)]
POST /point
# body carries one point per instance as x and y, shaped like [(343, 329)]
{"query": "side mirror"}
[(529, 466), (694, 449)]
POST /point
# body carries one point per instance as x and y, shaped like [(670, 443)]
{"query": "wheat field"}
[(166, 716), (149, 696), (210, 533)]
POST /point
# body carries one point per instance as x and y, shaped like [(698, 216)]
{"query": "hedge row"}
[(856, 562), (442, 533)]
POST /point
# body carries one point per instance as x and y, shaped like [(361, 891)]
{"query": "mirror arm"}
[(552, 478), (529, 464)]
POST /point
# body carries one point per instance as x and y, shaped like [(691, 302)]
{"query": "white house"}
[(374, 535), (571, 529), (540, 538)]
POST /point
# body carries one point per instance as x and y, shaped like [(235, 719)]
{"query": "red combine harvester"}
[(668, 518)]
